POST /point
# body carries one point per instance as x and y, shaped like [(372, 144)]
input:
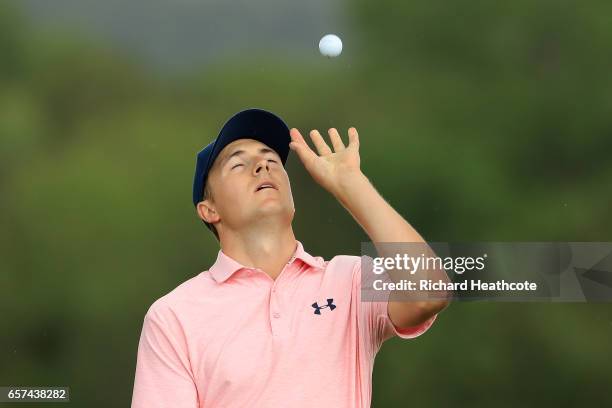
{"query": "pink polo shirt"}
[(234, 337)]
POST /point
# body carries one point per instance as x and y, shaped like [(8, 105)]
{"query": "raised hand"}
[(328, 168)]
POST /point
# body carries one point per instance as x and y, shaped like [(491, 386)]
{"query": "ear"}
[(207, 212)]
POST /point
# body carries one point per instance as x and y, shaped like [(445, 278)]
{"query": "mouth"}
[(265, 186)]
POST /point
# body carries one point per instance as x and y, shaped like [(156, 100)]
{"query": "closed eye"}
[(240, 164)]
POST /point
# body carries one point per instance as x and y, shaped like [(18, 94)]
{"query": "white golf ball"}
[(330, 45)]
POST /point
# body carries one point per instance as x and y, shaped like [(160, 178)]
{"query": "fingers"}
[(297, 138), (353, 137), (336, 140), (299, 145), (319, 143)]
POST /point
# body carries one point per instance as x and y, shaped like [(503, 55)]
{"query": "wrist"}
[(350, 184)]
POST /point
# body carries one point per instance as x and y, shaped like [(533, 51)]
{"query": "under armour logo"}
[(330, 304)]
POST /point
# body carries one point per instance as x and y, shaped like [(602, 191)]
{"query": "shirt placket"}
[(279, 318)]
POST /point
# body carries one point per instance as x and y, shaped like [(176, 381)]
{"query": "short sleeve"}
[(408, 332), (374, 316), (163, 375)]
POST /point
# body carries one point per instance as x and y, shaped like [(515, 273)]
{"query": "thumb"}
[(298, 149), (304, 152), (299, 145)]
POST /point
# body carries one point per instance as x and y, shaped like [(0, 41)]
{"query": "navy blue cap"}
[(253, 123)]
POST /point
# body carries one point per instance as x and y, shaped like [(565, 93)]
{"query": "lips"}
[(265, 185)]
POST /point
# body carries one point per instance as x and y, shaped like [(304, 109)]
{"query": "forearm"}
[(383, 224), (378, 219)]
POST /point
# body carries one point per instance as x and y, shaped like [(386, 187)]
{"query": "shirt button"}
[(276, 315)]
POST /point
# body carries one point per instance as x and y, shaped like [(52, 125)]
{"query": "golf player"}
[(269, 324)]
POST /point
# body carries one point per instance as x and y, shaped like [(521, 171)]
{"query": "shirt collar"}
[(225, 266)]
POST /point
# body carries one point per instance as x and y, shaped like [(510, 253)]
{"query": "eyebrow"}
[(239, 152)]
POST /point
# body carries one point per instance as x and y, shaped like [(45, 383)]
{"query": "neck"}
[(268, 249)]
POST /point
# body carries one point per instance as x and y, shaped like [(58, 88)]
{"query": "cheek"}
[(287, 181), (232, 192), (288, 188), (228, 190)]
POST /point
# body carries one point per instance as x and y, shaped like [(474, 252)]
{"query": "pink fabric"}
[(234, 337)]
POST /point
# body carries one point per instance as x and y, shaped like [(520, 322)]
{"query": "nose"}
[(262, 164)]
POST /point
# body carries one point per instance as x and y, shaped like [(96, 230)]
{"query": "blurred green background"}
[(478, 121)]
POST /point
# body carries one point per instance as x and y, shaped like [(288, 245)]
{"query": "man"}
[(269, 325)]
